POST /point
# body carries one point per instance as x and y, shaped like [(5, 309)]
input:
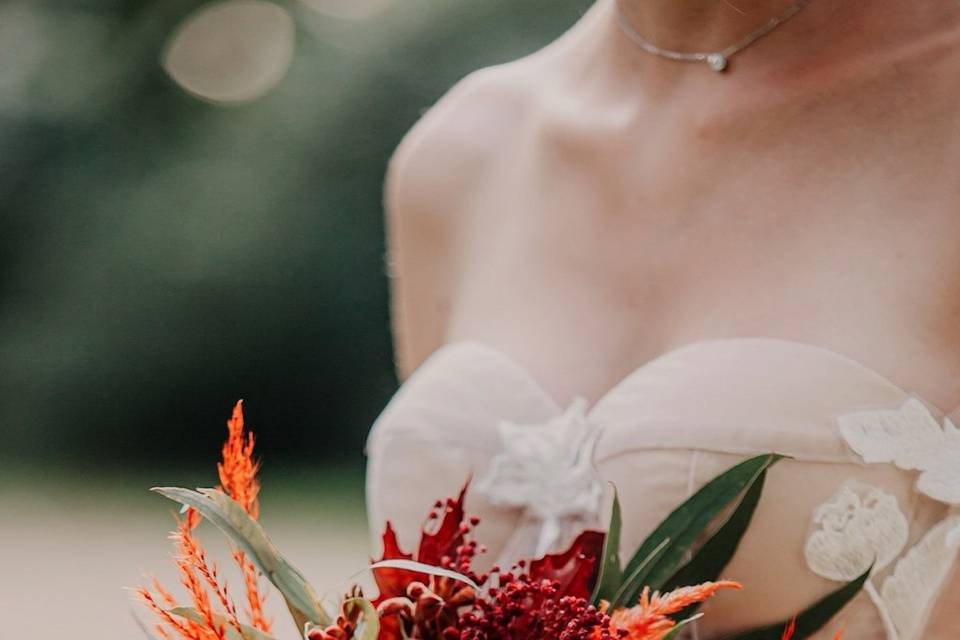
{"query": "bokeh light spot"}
[(231, 51)]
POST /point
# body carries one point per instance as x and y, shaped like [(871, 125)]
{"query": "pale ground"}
[(66, 555)]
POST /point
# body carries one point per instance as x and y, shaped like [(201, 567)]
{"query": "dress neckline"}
[(549, 398)]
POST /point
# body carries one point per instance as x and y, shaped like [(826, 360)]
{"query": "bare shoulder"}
[(429, 178), (458, 136)]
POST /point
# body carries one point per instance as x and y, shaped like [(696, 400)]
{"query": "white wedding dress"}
[(874, 474)]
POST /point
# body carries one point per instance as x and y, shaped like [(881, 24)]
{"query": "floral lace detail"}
[(860, 526), (547, 469), (911, 438), (867, 522), (911, 591)]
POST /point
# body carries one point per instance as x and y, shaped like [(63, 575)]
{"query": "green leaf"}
[(413, 565), (638, 572), (370, 629), (686, 524), (611, 575), (246, 632), (812, 619), (673, 633), (715, 554), (245, 532)]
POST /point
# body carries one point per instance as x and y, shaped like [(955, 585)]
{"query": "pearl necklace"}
[(716, 60)]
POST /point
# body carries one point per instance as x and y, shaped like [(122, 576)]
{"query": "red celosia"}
[(519, 608)]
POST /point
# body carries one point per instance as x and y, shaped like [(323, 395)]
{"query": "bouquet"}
[(434, 593)]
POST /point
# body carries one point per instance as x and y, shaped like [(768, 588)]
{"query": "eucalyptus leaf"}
[(710, 560), (611, 575), (812, 619), (246, 632), (245, 532), (419, 567), (685, 524)]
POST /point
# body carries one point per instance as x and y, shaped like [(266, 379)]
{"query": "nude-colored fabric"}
[(667, 429)]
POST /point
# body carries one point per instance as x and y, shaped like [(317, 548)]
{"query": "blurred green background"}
[(190, 197)]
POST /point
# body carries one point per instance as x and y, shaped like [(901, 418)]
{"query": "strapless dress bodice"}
[(874, 473)]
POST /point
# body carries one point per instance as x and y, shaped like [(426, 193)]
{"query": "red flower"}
[(575, 569), (442, 547), (414, 604)]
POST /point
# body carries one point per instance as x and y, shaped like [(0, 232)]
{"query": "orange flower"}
[(210, 598), (196, 575), (238, 479), (649, 620), (237, 470)]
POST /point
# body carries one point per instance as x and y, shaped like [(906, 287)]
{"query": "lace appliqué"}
[(911, 591), (547, 470), (911, 438), (863, 524), (859, 527)]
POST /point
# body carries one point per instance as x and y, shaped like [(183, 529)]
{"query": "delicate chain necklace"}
[(716, 60)]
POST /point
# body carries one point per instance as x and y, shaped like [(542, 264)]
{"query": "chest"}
[(594, 247)]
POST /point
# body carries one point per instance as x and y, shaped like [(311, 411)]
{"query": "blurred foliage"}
[(161, 256)]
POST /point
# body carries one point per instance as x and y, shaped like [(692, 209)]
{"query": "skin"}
[(589, 207)]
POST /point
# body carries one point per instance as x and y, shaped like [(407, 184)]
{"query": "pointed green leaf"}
[(245, 633), (228, 516), (413, 565), (812, 619), (636, 576), (370, 628), (686, 524), (611, 575), (715, 554)]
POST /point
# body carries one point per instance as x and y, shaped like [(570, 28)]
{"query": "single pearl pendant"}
[(717, 62)]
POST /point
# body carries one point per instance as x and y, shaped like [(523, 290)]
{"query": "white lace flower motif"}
[(547, 469), (860, 526), (909, 593), (913, 439)]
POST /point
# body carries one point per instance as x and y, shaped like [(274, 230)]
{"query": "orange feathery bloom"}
[(238, 479), (195, 572), (649, 620), (237, 472)]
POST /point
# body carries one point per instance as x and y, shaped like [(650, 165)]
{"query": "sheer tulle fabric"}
[(664, 431)]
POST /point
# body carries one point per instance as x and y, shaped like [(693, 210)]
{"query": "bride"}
[(616, 262)]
